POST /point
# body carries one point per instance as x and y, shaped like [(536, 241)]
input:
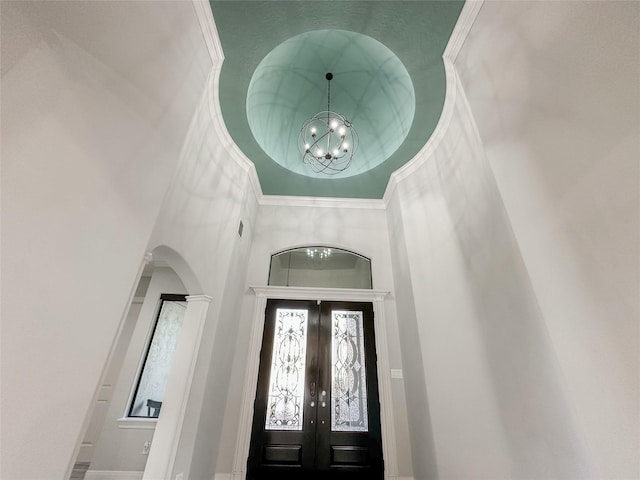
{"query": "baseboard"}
[(229, 476), (112, 475)]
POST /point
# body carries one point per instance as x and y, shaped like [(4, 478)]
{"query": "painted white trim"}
[(389, 450), (112, 475), (214, 46), (456, 41), (209, 30), (434, 141), (137, 423), (462, 28), (249, 389), (229, 476), (199, 298), (376, 297), (330, 202), (222, 476), (313, 293), (231, 149)]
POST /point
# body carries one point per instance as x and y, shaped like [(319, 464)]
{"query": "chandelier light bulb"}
[(318, 254)]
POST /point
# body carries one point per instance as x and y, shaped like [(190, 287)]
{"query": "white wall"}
[(420, 430), (110, 378), (554, 88), (120, 448), (96, 100), (495, 398), (359, 228), (210, 194)]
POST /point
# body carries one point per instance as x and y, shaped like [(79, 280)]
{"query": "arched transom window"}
[(320, 266)]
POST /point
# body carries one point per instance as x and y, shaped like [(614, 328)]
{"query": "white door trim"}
[(376, 297)]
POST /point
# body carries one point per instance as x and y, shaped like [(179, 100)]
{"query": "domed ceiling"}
[(389, 81)]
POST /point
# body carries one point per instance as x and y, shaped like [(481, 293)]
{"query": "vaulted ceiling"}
[(389, 80)]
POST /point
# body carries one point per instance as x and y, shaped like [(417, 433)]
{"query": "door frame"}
[(262, 294)]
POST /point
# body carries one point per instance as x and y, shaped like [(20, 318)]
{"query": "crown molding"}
[(214, 47), (434, 141), (209, 30), (322, 202), (461, 31), (231, 149), (458, 37)]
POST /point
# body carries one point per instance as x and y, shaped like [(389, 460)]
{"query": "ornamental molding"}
[(199, 298), (314, 293)]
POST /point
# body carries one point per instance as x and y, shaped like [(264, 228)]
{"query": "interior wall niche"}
[(320, 266)]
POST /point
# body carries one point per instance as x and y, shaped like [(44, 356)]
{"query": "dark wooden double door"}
[(317, 410)]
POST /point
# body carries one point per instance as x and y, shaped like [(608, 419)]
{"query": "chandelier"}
[(328, 140)]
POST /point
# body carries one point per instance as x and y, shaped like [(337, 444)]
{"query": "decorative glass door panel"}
[(286, 383), (317, 413), (348, 373)]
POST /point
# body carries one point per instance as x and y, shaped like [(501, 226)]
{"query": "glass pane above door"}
[(287, 377), (320, 267), (348, 373)]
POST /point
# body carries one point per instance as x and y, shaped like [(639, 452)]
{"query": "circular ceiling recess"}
[(370, 87)]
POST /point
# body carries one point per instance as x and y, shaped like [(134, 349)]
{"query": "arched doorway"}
[(117, 416)]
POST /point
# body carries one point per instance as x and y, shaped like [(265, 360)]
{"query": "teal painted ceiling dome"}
[(370, 87), (389, 76)]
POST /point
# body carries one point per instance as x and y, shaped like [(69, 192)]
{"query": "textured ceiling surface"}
[(370, 87), (416, 32)]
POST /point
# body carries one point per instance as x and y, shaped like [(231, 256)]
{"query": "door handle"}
[(312, 394), (323, 396)]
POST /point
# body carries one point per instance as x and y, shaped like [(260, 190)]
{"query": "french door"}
[(317, 410)]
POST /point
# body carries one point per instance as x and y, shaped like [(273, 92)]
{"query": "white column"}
[(169, 427), (389, 451), (250, 387)]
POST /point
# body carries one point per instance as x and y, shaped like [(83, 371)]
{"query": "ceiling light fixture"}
[(328, 140)]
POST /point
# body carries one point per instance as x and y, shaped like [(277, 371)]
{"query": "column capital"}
[(199, 298)]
